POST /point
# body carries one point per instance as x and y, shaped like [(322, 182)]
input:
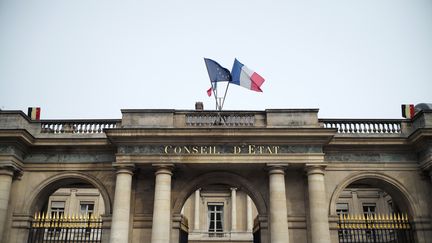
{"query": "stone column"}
[(162, 205), (121, 208), (278, 206), (5, 188), (233, 209), (196, 210), (249, 220), (318, 205)]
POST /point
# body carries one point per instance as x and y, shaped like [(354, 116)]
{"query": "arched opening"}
[(373, 207), (68, 207), (39, 199), (221, 207)]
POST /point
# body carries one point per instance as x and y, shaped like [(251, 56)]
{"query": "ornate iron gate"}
[(47, 229), (394, 228)]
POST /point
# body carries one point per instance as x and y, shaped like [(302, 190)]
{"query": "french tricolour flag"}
[(243, 76)]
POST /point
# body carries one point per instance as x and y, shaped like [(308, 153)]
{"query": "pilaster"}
[(197, 210), (249, 220), (233, 209)]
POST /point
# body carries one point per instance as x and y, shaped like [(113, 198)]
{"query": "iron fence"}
[(70, 229), (375, 228)]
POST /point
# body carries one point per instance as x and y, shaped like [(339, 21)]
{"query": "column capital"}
[(10, 165), (163, 169), (233, 188), (315, 169), (6, 171), (124, 168), (277, 168)]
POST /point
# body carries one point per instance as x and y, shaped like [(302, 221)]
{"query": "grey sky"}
[(91, 58)]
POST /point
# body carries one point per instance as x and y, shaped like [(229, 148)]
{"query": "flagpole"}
[(214, 94), (226, 90)]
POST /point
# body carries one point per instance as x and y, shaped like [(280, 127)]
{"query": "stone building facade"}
[(287, 172)]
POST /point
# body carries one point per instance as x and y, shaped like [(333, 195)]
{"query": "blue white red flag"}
[(243, 76)]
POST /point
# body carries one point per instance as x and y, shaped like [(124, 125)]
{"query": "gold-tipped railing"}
[(65, 228), (358, 228)]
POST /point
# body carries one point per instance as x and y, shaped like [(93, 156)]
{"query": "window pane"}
[(219, 226), (86, 208)]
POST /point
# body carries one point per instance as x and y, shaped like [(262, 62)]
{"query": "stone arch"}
[(220, 178), (396, 189), (51, 184)]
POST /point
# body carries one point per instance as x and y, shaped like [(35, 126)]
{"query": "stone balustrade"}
[(77, 126), (364, 126), (205, 119), (294, 118)]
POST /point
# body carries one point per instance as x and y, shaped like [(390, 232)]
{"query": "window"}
[(342, 208), (215, 219), (57, 208), (369, 208), (87, 208)]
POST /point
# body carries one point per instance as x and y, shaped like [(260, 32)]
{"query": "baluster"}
[(390, 127), (242, 121), (397, 128), (386, 128), (343, 127), (338, 126), (351, 127), (379, 128), (347, 127), (369, 128), (60, 128)]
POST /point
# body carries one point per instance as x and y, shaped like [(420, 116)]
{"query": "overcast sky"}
[(91, 58)]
